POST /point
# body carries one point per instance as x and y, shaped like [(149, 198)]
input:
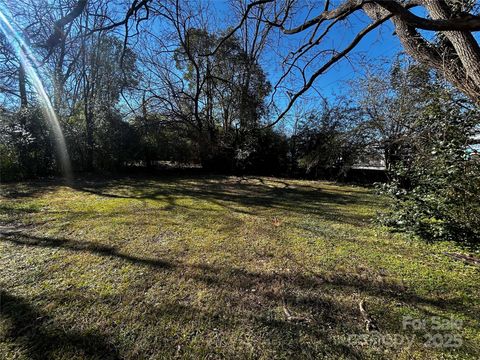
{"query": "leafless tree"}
[(450, 46)]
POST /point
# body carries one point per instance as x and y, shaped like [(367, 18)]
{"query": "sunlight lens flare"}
[(21, 49)]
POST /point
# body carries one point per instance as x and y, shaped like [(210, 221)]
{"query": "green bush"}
[(26, 147), (435, 188)]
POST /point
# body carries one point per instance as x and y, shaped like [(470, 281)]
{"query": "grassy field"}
[(222, 267)]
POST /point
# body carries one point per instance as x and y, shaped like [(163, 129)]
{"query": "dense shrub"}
[(329, 142), (116, 142), (261, 151), (435, 187), (26, 148)]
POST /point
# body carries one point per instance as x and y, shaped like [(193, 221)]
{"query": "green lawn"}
[(220, 267)]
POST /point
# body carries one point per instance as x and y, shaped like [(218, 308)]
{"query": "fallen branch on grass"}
[(369, 322), (469, 259), (291, 317)]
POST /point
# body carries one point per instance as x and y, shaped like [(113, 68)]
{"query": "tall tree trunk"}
[(458, 60), (22, 87), (89, 138), (89, 128), (464, 44)]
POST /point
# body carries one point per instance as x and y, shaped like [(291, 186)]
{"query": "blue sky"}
[(379, 45)]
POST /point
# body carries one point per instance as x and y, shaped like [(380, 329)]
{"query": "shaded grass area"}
[(218, 267)]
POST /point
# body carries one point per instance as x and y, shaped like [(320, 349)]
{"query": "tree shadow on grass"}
[(284, 338), (41, 337), (238, 278), (42, 342), (301, 290), (238, 195), (248, 196), (28, 189), (20, 238)]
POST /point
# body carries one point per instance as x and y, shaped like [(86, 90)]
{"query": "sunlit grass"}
[(206, 267)]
